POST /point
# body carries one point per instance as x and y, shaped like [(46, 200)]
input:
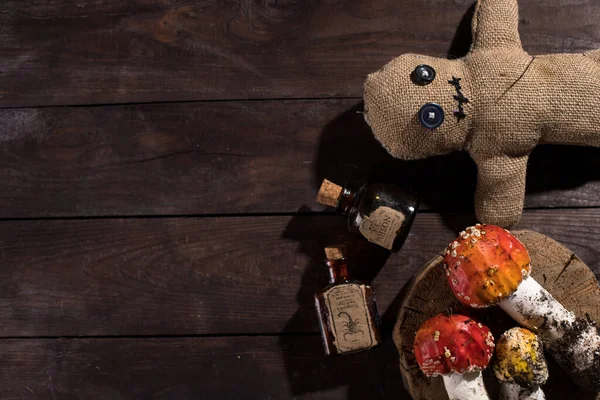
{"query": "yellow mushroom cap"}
[(520, 359)]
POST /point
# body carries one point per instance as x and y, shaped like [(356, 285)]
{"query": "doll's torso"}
[(520, 100), (570, 88)]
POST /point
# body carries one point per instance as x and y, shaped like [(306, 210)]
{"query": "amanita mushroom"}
[(486, 265), (457, 348), (520, 365)]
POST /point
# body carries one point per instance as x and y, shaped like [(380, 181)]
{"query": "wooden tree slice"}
[(554, 266)]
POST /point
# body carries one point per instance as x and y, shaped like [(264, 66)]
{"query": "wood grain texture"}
[(174, 276), (186, 279), (554, 266), (235, 157), (65, 52), (193, 368)]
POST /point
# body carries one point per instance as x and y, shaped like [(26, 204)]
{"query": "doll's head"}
[(418, 106)]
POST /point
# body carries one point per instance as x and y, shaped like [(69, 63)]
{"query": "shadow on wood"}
[(554, 167), (463, 38), (349, 152), (369, 374)]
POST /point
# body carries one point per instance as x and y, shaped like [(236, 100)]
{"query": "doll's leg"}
[(500, 189)]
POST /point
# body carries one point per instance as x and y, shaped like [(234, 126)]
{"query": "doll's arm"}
[(593, 54), (496, 25), (500, 189)]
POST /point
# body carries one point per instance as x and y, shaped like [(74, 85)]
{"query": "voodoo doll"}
[(497, 103)]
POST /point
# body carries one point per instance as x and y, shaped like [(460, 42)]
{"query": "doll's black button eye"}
[(423, 74), (431, 115)]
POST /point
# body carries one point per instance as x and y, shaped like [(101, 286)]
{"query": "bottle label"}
[(349, 317), (381, 227)]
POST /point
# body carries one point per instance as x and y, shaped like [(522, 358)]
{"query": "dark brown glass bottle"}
[(383, 214), (347, 310)]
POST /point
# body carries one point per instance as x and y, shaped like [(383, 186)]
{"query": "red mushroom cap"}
[(485, 264), (453, 343)]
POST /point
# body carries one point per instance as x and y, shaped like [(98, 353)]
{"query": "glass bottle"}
[(348, 314), (383, 214)]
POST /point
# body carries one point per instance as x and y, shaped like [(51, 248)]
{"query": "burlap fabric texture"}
[(515, 101)]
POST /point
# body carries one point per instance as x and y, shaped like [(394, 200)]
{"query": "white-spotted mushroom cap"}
[(453, 343), (485, 264)]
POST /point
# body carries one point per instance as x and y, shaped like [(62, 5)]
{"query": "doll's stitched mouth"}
[(460, 98)]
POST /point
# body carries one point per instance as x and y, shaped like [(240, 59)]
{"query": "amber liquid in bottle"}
[(383, 214), (348, 314)]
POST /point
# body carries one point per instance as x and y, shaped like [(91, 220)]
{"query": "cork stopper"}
[(329, 193), (336, 252)]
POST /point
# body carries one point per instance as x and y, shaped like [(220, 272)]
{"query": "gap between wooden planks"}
[(59, 53), (209, 276), (193, 368), (233, 158)]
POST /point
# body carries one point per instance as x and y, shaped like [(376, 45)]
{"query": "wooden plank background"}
[(158, 167), (91, 52), (232, 158)]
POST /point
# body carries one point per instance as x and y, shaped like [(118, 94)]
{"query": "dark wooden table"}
[(158, 166)]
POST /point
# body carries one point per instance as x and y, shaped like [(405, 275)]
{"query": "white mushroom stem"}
[(511, 391), (532, 306), (467, 386)]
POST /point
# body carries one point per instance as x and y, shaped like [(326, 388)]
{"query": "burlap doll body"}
[(509, 102)]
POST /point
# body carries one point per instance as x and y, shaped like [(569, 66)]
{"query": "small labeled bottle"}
[(347, 310), (383, 214)]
